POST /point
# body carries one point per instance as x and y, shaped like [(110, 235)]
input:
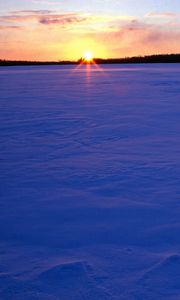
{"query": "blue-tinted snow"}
[(90, 169)]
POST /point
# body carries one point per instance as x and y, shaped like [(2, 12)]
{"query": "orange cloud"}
[(10, 27)]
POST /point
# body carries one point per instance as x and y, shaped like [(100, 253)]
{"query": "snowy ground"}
[(90, 183)]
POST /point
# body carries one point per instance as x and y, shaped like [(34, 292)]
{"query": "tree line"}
[(156, 58)]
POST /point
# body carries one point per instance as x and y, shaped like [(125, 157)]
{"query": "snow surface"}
[(90, 170)]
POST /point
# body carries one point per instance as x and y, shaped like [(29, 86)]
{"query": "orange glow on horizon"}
[(85, 48), (88, 57)]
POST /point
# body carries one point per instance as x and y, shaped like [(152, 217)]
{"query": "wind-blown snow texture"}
[(90, 169)]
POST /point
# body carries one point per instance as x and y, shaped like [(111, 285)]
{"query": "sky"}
[(66, 29)]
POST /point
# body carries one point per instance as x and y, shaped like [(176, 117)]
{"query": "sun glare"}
[(88, 57)]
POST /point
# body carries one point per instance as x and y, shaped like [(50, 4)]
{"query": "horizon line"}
[(140, 58)]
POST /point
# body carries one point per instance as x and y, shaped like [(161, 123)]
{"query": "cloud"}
[(36, 12), (15, 18), (76, 22), (46, 17), (62, 19), (9, 27), (162, 15)]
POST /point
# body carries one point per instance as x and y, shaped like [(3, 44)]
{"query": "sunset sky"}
[(65, 29)]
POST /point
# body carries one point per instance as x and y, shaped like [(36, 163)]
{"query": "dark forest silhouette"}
[(159, 58)]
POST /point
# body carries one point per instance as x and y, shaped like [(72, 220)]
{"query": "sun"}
[(88, 57)]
